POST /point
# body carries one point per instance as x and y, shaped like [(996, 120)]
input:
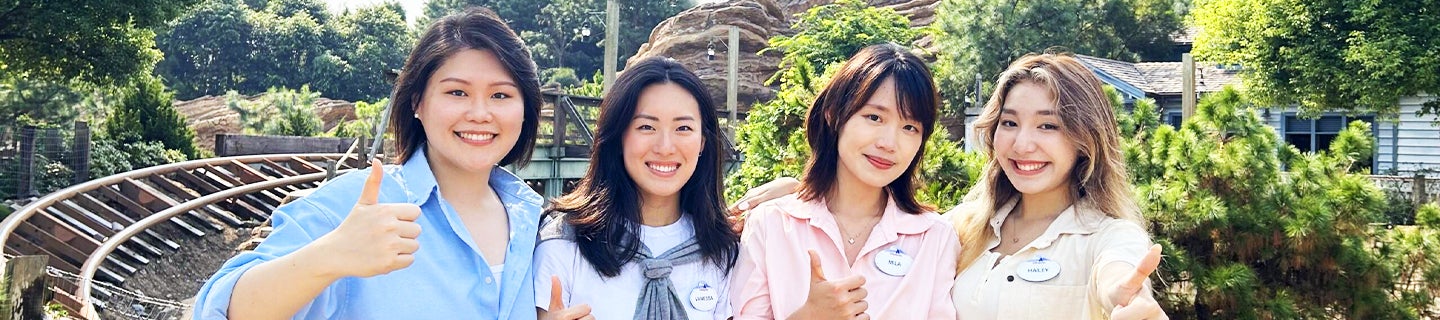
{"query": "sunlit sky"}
[(413, 8)]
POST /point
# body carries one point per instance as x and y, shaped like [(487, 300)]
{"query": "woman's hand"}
[(1131, 299), (838, 299), (376, 238), (558, 311), (769, 191)]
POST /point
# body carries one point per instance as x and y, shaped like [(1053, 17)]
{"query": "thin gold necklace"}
[(851, 238)]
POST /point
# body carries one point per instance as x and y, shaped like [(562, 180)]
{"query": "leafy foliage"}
[(45, 103), (363, 126), (772, 138), (552, 28), (280, 111), (1251, 240), (980, 37), (1294, 51), (832, 33), (100, 42), (226, 45), (147, 113)]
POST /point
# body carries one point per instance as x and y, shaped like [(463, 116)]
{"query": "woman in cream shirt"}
[(1050, 230)]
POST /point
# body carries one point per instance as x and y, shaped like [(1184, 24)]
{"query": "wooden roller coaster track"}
[(104, 229)]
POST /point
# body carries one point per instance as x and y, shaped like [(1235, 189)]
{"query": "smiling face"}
[(1030, 143), (663, 142), (877, 144), (472, 112)]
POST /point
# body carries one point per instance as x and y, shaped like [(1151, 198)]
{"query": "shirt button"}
[(489, 280), (1007, 278)]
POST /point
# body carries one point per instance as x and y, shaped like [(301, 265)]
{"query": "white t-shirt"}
[(615, 298)]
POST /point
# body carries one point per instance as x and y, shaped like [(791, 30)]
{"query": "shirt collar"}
[(417, 175), (892, 221), (1069, 222), (419, 180)]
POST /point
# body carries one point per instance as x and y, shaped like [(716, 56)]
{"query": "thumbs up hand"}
[(838, 299), (375, 238), (557, 306), (1128, 296)]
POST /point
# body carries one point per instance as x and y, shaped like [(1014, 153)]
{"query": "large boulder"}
[(687, 36)]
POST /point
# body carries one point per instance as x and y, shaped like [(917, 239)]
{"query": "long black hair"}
[(604, 208)]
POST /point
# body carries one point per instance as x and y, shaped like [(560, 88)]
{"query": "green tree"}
[(95, 41), (208, 50), (772, 136), (1298, 52), (51, 103), (226, 45), (147, 113), (1249, 240), (981, 37), (280, 111), (363, 126), (367, 42), (560, 42), (519, 14)]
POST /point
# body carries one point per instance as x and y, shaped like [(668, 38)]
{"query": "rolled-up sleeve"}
[(295, 225)]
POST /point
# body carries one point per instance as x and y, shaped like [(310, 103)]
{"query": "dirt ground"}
[(178, 275)]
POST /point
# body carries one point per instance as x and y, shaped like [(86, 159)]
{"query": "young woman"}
[(854, 243), (644, 235), (446, 234), (1051, 223)]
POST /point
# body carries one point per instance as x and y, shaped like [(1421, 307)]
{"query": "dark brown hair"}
[(605, 206), (476, 28), (846, 94)]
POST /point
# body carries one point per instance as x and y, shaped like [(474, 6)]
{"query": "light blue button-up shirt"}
[(449, 279)]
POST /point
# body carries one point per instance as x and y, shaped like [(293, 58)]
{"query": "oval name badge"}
[(894, 261), (703, 297), (1038, 269)]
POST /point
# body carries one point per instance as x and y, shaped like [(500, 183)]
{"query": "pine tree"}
[(1255, 229)]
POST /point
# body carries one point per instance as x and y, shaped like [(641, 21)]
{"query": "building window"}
[(1310, 135), (1174, 119)]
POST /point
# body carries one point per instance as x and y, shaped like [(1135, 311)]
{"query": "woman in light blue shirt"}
[(425, 239)]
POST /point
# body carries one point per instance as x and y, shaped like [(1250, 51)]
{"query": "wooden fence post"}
[(28, 289), (81, 154), (26, 187)]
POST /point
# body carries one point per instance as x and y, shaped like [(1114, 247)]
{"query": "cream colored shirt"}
[(1079, 244)]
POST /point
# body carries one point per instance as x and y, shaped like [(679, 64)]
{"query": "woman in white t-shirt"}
[(644, 234)]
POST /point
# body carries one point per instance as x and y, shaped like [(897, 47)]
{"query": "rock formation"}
[(686, 37)]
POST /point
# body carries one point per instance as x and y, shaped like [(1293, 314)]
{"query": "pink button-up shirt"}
[(772, 277)]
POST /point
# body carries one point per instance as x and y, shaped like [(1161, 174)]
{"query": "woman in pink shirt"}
[(854, 243)]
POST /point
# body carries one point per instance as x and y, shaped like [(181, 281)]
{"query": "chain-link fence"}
[(118, 303), (36, 161)]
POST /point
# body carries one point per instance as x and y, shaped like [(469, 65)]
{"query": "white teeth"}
[(1030, 167), (477, 136), (665, 169)]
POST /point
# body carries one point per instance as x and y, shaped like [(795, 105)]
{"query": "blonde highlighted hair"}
[(1099, 180)]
